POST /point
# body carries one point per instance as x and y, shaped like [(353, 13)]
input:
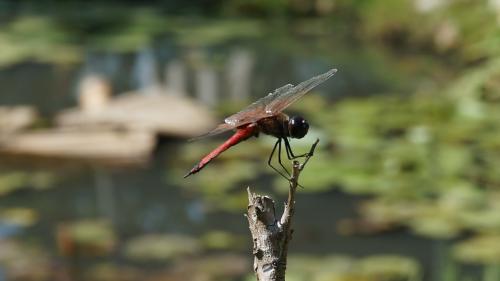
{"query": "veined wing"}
[(269, 105), (285, 99), (276, 101), (256, 110), (221, 128), (250, 114)]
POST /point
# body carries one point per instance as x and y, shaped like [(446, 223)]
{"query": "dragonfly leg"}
[(278, 143), (279, 159), (289, 152)]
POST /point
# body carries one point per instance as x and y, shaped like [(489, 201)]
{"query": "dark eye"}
[(298, 127)]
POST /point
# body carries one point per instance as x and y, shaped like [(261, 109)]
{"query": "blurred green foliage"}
[(459, 32), (38, 39)]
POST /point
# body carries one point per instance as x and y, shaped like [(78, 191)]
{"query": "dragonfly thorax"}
[(281, 126)]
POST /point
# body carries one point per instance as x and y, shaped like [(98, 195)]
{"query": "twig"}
[(270, 235)]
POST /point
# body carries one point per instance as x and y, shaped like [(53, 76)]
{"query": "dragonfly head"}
[(297, 127)]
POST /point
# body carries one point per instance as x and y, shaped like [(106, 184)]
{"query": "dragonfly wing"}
[(256, 110), (221, 128), (269, 105), (285, 98), (250, 114)]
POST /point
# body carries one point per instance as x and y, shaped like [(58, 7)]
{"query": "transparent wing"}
[(276, 101), (221, 128), (256, 110), (269, 105), (285, 99)]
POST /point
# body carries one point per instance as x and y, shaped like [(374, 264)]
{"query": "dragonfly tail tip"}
[(194, 170)]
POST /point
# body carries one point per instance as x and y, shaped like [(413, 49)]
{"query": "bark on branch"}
[(271, 234)]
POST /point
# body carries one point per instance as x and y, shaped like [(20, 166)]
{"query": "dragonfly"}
[(265, 116)]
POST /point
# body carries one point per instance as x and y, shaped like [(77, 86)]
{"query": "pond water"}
[(136, 201)]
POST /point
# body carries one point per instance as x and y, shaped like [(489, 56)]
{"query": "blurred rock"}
[(113, 147), (91, 130), (94, 94), (15, 118), (155, 112)]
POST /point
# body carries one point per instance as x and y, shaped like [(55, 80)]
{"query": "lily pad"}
[(389, 267), (481, 249), (19, 216), (223, 240), (11, 181), (160, 247), (345, 268)]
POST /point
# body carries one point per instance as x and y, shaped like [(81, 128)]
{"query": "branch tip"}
[(271, 235)]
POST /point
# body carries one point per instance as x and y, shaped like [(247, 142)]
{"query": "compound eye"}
[(298, 127)]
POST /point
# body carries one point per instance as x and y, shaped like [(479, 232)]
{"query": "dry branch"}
[(271, 234)]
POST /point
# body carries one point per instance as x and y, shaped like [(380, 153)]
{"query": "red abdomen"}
[(241, 134)]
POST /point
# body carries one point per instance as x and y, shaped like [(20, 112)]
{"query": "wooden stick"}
[(271, 235)]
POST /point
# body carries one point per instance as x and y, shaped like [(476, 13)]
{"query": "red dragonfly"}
[(265, 116)]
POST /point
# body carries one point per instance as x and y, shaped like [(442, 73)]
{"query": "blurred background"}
[(98, 99)]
